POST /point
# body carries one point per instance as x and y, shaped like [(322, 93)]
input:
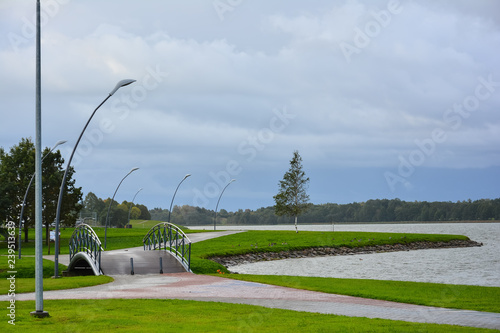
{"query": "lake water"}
[(470, 266)]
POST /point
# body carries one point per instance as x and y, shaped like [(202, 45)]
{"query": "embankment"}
[(338, 251)]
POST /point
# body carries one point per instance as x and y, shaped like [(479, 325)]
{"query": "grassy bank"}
[(276, 241), (190, 316), (25, 277), (431, 294)]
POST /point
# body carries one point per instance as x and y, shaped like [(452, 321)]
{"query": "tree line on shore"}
[(96, 210), (379, 210)]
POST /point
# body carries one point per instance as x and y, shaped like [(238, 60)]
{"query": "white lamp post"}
[(109, 208), (170, 210), (215, 219), (132, 204), (120, 84)]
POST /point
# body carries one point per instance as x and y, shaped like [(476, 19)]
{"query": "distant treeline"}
[(380, 210)]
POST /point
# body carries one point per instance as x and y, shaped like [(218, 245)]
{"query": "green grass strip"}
[(25, 277), (276, 241), (431, 294), (27, 285), (25, 267), (191, 316)]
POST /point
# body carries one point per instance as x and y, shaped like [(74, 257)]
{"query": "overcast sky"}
[(382, 99)]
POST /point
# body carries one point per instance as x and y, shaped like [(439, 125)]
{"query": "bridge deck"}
[(117, 262)]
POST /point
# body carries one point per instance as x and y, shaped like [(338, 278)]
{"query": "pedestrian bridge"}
[(165, 249)]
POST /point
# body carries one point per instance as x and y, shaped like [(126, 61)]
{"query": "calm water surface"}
[(472, 266)]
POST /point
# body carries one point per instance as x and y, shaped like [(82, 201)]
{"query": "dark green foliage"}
[(292, 198), (384, 210), (188, 215), (118, 214), (145, 215), (16, 170)]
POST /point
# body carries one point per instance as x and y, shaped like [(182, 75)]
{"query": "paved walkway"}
[(190, 286)]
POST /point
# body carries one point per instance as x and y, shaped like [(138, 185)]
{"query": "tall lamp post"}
[(215, 219), (26, 195), (120, 84), (38, 174), (109, 207), (132, 204), (170, 210)]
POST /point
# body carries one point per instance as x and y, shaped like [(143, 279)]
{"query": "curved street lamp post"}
[(170, 210), (120, 84), (215, 219), (132, 204), (26, 195), (109, 207)]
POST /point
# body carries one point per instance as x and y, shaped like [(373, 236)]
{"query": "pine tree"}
[(292, 198)]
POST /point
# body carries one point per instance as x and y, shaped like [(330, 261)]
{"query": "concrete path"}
[(190, 286)]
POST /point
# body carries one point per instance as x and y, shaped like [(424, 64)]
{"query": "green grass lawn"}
[(276, 241), (25, 277), (476, 298), (25, 267), (134, 315), (191, 316)]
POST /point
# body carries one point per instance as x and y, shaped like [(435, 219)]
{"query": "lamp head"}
[(188, 175), (133, 170), (120, 84), (60, 142)]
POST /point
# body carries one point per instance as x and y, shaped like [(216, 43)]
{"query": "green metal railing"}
[(84, 239), (169, 237)]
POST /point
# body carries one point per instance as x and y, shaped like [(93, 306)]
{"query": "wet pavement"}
[(189, 286)]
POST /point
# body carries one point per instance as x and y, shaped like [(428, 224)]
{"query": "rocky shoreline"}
[(248, 258)]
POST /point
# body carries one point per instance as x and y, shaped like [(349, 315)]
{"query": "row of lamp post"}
[(120, 84), (217, 206), (109, 207), (39, 312)]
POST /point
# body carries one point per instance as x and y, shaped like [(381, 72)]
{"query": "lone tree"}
[(292, 198)]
